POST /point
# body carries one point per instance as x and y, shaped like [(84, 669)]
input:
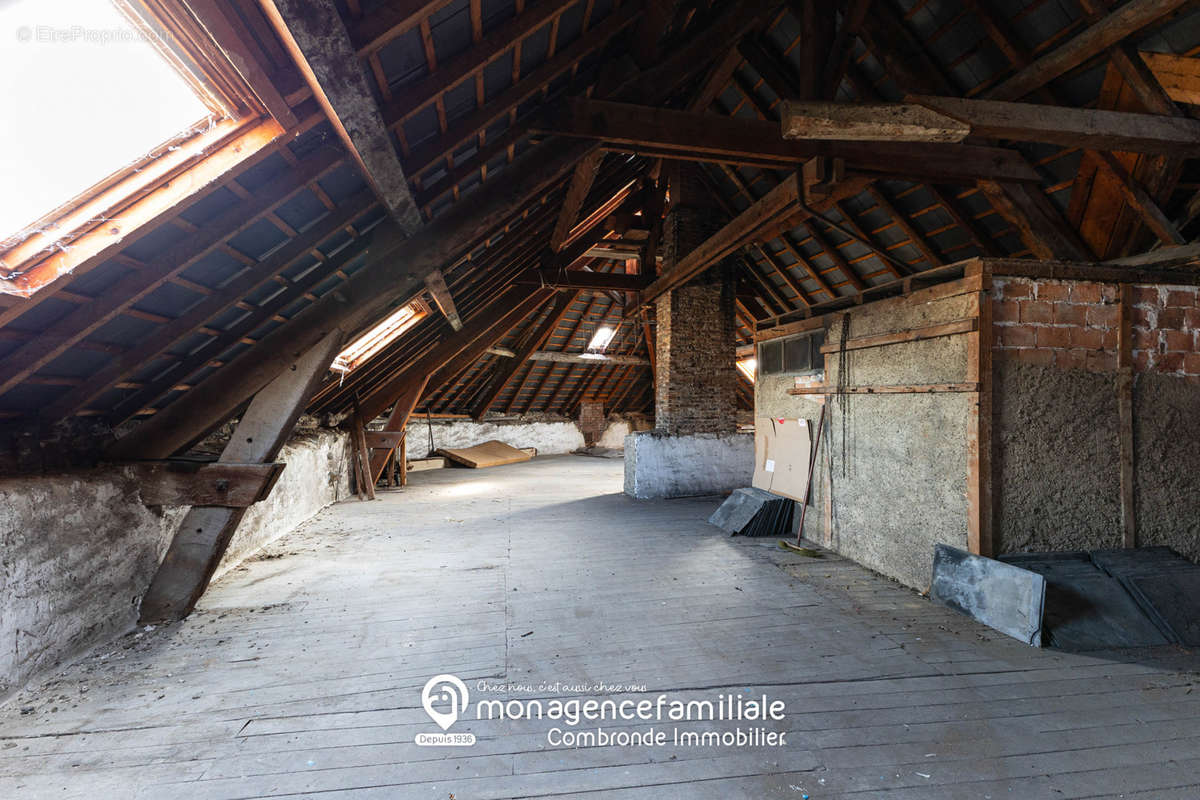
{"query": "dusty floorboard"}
[(301, 673)]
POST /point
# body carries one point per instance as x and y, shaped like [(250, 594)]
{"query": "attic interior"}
[(363, 356)]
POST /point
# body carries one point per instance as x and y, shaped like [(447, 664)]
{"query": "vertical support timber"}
[(1125, 411), (979, 429), (205, 532), (358, 431)]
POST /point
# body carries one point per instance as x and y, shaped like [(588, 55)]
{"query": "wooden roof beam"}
[(707, 137), (435, 282), (1122, 23), (503, 373), (394, 272), (314, 34)]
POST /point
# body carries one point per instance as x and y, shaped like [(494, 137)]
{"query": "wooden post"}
[(362, 455), (979, 429), (1125, 410), (205, 532), (404, 461)]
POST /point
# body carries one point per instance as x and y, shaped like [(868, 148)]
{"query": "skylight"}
[(748, 367), (86, 95), (600, 339), (378, 337)]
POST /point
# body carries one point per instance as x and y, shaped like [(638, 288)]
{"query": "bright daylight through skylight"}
[(84, 95)]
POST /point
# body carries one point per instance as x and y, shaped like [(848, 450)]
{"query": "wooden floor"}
[(301, 674)]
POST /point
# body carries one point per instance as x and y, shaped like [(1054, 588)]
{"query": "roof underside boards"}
[(462, 85)]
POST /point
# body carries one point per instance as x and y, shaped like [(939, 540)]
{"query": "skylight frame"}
[(149, 190), (379, 336)]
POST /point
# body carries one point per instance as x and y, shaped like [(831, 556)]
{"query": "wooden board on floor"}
[(488, 454)]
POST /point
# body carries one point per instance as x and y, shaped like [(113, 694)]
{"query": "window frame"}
[(145, 192)]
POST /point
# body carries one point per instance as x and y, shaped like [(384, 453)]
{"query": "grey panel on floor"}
[(1170, 599), (1001, 596), (754, 512), (1086, 608), (1140, 561), (1094, 612)]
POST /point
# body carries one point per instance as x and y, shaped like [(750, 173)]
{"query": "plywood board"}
[(488, 454)]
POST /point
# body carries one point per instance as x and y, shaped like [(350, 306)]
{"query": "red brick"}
[(1101, 361), (1042, 357), (1070, 359), (1191, 363), (1070, 314), (1142, 316), (1181, 298), (1109, 293), (1017, 290), (1036, 311), (1144, 339), (1085, 292), (1103, 316), (1053, 291), (1191, 318), (1091, 338), (1006, 311), (1169, 362), (1016, 336), (1141, 361), (1053, 337), (1171, 318), (1145, 295), (1109, 339), (1179, 341)]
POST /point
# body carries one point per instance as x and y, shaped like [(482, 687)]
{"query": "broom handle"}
[(812, 463)]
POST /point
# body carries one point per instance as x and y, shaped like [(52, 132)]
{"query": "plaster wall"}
[(659, 465), (890, 476)]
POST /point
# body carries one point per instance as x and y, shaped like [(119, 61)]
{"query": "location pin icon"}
[(442, 688)]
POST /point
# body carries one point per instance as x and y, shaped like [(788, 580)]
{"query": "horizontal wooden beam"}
[(709, 137), (383, 439), (586, 358), (192, 483), (913, 388), (586, 279), (900, 337), (1091, 128)]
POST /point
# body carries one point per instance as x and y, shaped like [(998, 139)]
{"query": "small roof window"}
[(378, 337), (600, 339)]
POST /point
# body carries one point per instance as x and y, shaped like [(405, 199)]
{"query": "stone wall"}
[(78, 550)]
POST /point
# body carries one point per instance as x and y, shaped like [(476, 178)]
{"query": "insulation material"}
[(782, 449), (488, 454)]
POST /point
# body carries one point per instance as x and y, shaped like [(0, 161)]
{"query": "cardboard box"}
[(782, 449)]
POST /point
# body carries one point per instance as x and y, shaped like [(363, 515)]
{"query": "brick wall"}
[(1073, 325), (695, 339)]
